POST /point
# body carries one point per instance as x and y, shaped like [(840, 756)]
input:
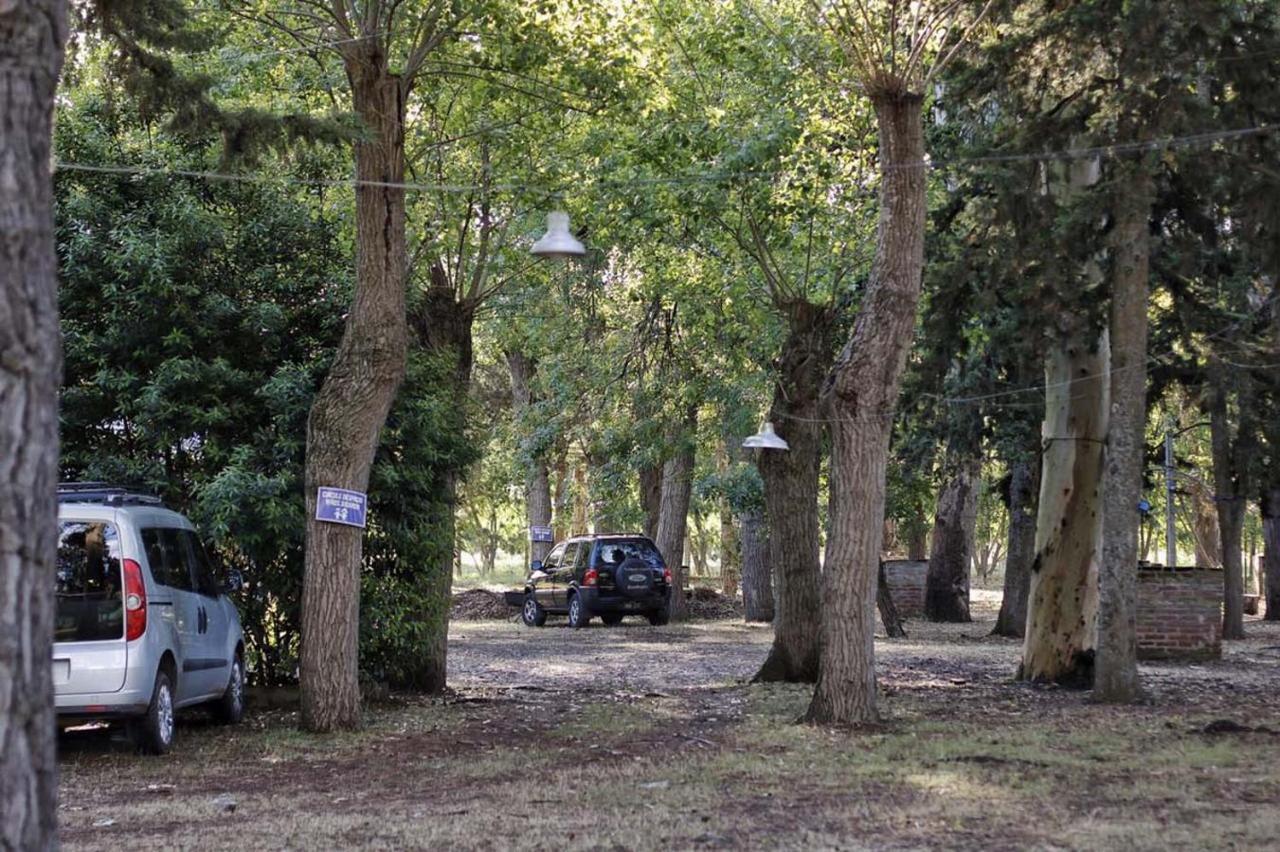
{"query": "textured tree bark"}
[(1116, 664), (537, 485), (1062, 605), (730, 552), (860, 397), (893, 626), (352, 405), (442, 324), (757, 579), (32, 39), (1023, 483), (947, 581), (1232, 457), (791, 495), (1271, 551), (677, 488), (561, 510), (651, 497)]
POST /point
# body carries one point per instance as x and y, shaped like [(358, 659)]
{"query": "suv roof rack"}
[(105, 493)]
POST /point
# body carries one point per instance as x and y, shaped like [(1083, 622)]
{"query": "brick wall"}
[(905, 578), (1179, 613)]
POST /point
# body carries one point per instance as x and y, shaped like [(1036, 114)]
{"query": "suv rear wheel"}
[(153, 733), (579, 615), (532, 612), (659, 617)]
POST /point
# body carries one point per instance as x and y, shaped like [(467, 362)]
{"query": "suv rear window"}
[(616, 551), (89, 588)]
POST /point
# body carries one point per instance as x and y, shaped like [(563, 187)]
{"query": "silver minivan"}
[(144, 626)]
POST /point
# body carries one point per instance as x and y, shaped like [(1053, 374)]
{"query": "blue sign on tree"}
[(340, 506), (540, 534)]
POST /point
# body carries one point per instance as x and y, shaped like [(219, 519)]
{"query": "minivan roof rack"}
[(105, 493)]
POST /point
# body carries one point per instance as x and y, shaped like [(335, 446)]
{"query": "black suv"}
[(606, 575)]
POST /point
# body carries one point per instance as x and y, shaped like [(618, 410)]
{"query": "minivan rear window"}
[(89, 587), (617, 551)]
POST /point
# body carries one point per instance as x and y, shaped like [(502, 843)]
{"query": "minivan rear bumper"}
[(131, 699)]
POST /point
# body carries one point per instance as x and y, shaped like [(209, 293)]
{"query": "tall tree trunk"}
[(537, 484), (730, 551), (757, 579), (1116, 665), (651, 497), (1062, 605), (893, 626), (860, 397), (442, 325), (32, 39), (677, 488), (352, 405), (791, 495), (1271, 551), (1232, 456), (947, 581), (561, 508), (580, 499), (1023, 482)]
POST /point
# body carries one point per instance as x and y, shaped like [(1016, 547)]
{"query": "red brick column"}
[(905, 578), (1179, 613)]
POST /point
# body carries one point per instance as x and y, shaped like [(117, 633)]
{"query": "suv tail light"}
[(590, 578), (666, 575), (135, 601)]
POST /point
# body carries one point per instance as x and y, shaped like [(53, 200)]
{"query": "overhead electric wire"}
[(1112, 150)]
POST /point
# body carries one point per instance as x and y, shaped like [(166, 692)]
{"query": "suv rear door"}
[(89, 654), (563, 575)]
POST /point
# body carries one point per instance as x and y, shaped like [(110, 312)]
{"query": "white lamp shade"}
[(557, 242), (766, 439)]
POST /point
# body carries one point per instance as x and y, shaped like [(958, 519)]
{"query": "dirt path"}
[(654, 735)]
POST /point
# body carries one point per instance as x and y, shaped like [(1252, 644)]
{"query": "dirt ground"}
[(638, 737)]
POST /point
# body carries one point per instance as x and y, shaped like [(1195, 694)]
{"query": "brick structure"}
[(1179, 613), (905, 578)]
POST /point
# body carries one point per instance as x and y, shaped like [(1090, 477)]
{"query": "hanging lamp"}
[(557, 242), (766, 439)]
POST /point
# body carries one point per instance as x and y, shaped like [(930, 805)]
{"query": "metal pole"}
[(1170, 542)]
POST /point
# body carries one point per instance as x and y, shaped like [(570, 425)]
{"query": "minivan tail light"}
[(590, 578), (135, 601)]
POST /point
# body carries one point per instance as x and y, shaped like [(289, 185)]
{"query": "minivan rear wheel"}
[(229, 709), (153, 733)]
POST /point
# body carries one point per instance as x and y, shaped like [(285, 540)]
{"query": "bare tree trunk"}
[(893, 626), (1023, 481), (791, 495), (1062, 607), (757, 579), (1232, 455), (349, 411), (730, 551), (32, 39), (1116, 665), (580, 498), (947, 581), (860, 396), (1271, 551), (677, 488), (651, 497), (537, 485), (561, 511)]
